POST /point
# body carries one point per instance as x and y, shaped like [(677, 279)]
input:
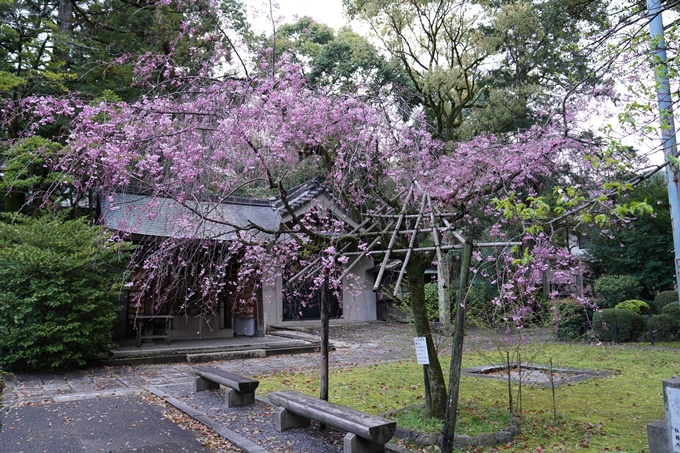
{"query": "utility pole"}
[(667, 124)]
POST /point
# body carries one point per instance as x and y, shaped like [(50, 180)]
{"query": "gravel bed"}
[(257, 423)]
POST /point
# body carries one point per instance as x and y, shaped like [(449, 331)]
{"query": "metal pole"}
[(667, 123)]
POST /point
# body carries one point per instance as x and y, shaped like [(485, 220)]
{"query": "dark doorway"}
[(304, 305)]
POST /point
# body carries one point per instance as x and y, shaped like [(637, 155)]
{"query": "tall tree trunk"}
[(416, 284), (65, 22), (456, 354)]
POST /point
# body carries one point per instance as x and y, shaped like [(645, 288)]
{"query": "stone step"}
[(164, 355)]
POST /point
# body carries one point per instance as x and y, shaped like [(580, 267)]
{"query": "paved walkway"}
[(354, 345), (116, 424), (100, 409)]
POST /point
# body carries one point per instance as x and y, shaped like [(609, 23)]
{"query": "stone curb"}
[(226, 355), (573, 374), (504, 436), (241, 442)]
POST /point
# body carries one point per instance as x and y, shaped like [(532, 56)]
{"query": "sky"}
[(326, 11)]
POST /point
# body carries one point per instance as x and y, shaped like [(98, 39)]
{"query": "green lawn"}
[(603, 414)]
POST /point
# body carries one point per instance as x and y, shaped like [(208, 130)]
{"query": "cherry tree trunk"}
[(415, 271)]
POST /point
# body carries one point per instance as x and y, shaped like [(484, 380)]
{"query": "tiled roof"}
[(164, 217), (300, 195), (145, 215)]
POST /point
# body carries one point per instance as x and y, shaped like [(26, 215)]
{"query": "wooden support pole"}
[(449, 430), (443, 291), (410, 247), (435, 231), (411, 216), (324, 346), (443, 248), (364, 252), (356, 230), (378, 279)]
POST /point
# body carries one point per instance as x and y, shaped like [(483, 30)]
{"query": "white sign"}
[(674, 412), (421, 351)]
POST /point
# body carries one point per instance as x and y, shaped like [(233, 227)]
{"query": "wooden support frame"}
[(439, 223)]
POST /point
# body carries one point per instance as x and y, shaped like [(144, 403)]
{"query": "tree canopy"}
[(642, 246)]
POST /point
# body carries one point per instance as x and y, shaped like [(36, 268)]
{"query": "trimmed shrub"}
[(432, 301), (664, 298), (672, 310), (59, 284), (612, 289), (638, 306), (665, 327), (571, 319), (629, 324)]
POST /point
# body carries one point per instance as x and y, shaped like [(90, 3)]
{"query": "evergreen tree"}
[(641, 247)]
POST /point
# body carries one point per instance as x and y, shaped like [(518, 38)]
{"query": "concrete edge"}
[(579, 374), (241, 442)]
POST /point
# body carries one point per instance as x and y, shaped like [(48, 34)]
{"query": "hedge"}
[(572, 319), (664, 298), (59, 284), (665, 327), (629, 324), (612, 289)]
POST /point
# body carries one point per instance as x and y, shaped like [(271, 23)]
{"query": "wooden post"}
[(325, 315), (509, 370), (449, 430), (443, 281)]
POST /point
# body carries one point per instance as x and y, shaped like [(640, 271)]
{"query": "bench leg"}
[(356, 444), (203, 384), (286, 420), (234, 398)]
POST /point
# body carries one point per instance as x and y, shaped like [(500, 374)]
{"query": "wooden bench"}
[(141, 321), (365, 433), (240, 392)]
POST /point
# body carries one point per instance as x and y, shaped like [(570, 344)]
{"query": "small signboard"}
[(673, 395), (421, 351)]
